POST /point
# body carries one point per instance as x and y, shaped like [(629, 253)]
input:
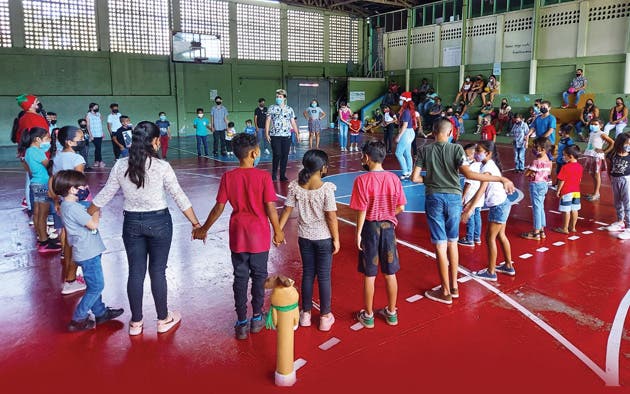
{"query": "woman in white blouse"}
[(147, 226)]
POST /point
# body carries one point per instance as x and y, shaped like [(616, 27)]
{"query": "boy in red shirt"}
[(378, 197), (569, 180), (252, 196), (488, 132), (355, 129)]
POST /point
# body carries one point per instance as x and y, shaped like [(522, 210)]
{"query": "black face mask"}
[(83, 126), (544, 110), (95, 110), (323, 174), (218, 102), (366, 167), (449, 114), (79, 146), (53, 122), (115, 110)]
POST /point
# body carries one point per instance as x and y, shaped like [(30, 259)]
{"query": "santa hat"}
[(25, 101), (406, 96)]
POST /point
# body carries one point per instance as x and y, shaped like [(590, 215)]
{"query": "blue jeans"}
[(579, 125), (262, 141), (519, 158), (578, 94), (147, 234), (403, 151), (316, 261), (444, 211), (537, 192), (473, 226), (202, 139), (343, 134), (92, 299)]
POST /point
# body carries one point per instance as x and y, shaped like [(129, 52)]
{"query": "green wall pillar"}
[(462, 62)]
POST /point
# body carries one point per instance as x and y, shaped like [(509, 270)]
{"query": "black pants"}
[(85, 152), (98, 142), (228, 145), (280, 150), (116, 149), (414, 146), (248, 265), (218, 137), (388, 137)]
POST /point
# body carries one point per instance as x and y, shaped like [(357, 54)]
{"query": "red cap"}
[(26, 101), (406, 96)]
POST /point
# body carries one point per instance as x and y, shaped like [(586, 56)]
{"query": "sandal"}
[(592, 197), (531, 235), (542, 234), (135, 328), (561, 230)]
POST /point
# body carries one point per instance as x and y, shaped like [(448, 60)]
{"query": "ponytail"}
[(140, 150), (490, 146), (28, 136), (313, 161)]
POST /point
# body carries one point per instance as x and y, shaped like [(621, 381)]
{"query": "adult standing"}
[(406, 134), (95, 129), (442, 161), (147, 226), (113, 124), (260, 118), (280, 120), (618, 119), (577, 87), (218, 124), (544, 125), (344, 116)]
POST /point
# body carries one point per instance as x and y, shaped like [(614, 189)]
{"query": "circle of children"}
[(55, 161)]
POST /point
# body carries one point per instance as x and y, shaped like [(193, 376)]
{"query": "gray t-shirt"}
[(85, 243), (219, 113), (314, 113), (66, 161)]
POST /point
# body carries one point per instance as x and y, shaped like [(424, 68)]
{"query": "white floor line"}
[(329, 343), (573, 237), (602, 223), (299, 363), (559, 243), (614, 342), (525, 256), (542, 249), (356, 326), (414, 298), (552, 211), (201, 175), (587, 232)]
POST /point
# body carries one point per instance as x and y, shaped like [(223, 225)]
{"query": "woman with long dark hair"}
[(147, 226), (406, 134)]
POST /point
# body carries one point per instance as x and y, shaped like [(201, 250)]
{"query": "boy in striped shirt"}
[(378, 197)]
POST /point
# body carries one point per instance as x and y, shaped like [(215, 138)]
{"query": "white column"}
[(582, 29), (533, 73), (626, 80), (437, 48)]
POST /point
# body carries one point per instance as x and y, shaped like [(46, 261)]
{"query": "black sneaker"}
[(110, 313), (257, 323), (241, 330), (81, 325)]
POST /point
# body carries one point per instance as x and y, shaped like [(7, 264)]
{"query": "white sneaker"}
[(625, 234), (72, 287), (135, 328), (52, 233), (50, 221), (171, 321), (617, 226), (305, 319)]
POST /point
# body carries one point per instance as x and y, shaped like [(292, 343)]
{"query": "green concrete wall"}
[(67, 82)]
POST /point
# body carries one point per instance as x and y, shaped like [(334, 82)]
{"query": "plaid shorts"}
[(314, 125), (379, 248), (570, 202)]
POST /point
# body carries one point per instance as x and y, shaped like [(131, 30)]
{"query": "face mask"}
[(323, 174), (44, 146), (162, 118), (314, 105), (115, 110), (577, 75), (218, 102), (619, 104), (449, 114), (83, 126), (518, 122), (480, 156), (355, 118), (95, 109), (40, 108), (256, 161), (544, 110), (467, 79), (200, 115), (79, 146), (82, 194), (365, 167), (261, 105), (626, 148), (400, 102), (279, 100), (536, 152), (589, 104), (53, 122), (593, 127)]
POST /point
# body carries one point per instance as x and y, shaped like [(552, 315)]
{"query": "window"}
[(58, 24), (343, 39), (140, 26), (207, 17), (258, 32), (306, 36), (5, 27)]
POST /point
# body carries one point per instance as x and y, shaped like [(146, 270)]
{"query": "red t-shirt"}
[(355, 127), (488, 132), (571, 174), (378, 193), (247, 190), (28, 121)]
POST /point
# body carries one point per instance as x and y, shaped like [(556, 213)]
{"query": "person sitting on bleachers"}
[(534, 111), (435, 112), (464, 91), (486, 110), (476, 89), (492, 88), (424, 86), (577, 87), (504, 116), (590, 111)]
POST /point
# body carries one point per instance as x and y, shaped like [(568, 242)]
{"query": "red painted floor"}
[(481, 342)]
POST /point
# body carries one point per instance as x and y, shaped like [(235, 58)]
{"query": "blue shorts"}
[(355, 138), (40, 193), (378, 241), (570, 202), (444, 211), (499, 213)]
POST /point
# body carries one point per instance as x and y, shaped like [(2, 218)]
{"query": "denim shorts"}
[(570, 202), (444, 211), (40, 193), (355, 138), (499, 213), (378, 240)]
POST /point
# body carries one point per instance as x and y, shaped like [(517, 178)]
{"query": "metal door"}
[(300, 93)]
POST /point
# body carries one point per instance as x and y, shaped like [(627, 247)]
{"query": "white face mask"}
[(200, 115)]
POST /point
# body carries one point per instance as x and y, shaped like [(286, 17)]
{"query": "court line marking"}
[(527, 313), (329, 343), (613, 346), (202, 175)]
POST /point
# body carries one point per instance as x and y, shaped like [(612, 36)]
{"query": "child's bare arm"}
[(333, 226), (272, 214), (399, 209), (560, 185), (215, 213), (465, 190), (284, 216), (93, 223), (360, 222), (468, 208)]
